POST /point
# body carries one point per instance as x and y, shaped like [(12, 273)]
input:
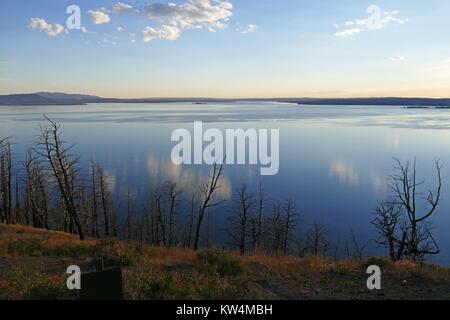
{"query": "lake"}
[(334, 160)]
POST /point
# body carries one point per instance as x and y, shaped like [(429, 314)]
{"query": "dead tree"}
[(37, 195), (241, 218), (17, 210), (94, 199), (63, 166), (354, 249), (6, 181), (105, 198), (208, 190), (415, 239), (130, 218), (172, 194), (316, 241), (391, 229), (160, 215), (258, 222), (192, 217), (275, 229), (289, 217)]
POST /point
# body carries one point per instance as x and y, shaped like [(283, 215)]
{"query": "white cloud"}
[(99, 16), (193, 14), (165, 32), (52, 30), (392, 17), (251, 28), (120, 7), (398, 58), (348, 32), (120, 29), (356, 26)]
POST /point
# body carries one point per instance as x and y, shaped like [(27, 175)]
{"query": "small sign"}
[(102, 285)]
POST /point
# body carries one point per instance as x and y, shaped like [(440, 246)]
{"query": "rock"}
[(404, 283)]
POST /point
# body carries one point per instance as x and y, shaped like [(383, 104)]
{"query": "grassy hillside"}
[(33, 262)]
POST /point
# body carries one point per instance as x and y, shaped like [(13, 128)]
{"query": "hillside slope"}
[(33, 262)]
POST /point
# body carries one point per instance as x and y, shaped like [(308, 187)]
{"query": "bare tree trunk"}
[(6, 180), (412, 238), (160, 217), (173, 194), (17, 219), (51, 147), (208, 190), (129, 235), (94, 205), (289, 224), (105, 196), (191, 221), (260, 220), (241, 219)]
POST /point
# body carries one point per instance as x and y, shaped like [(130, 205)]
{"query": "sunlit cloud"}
[(132, 36), (165, 32), (168, 20), (357, 26), (99, 16), (348, 32), (121, 7), (251, 28), (192, 14), (50, 29), (397, 58)]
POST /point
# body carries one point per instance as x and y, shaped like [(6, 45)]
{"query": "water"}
[(334, 160)]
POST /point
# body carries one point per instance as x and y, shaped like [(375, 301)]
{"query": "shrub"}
[(19, 283), (25, 247), (118, 254), (221, 262), (70, 250), (376, 261), (49, 291), (162, 288)]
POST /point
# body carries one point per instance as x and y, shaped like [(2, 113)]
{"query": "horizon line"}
[(233, 99)]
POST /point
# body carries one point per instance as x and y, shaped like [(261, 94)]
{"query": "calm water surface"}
[(334, 160)]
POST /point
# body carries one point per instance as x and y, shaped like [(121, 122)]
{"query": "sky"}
[(227, 49)]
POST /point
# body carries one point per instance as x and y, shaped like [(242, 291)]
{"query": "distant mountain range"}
[(46, 98), (56, 98)]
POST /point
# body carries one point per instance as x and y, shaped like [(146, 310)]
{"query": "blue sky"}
[(235, 48)]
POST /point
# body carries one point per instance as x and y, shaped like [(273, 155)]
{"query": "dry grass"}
[(173, 273)]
